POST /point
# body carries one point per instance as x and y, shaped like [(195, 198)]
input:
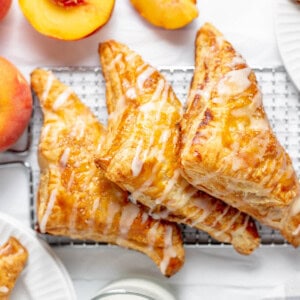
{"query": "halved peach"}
[(169, 14), (15, 104), (67, 19), (4, 8)]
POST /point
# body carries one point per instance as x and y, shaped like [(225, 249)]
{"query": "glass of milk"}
[(134, 289)]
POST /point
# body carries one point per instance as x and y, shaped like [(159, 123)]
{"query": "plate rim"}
[(276, 20), (31, 235)]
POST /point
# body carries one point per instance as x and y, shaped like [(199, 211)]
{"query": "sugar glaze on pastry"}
[(13, 258), (140, 152), (74, 197), (228, 148)]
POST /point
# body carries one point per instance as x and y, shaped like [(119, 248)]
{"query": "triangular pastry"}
[(13, 257), (74, 197), (140, 152), (228, 147)]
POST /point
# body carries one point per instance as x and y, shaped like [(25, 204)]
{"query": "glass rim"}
[(121, 292)]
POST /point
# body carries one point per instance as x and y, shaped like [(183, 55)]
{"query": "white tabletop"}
[(209, 273)]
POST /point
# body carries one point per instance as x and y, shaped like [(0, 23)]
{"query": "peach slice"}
[(67, 19), (4, 8), (169, 14), (15, 104)]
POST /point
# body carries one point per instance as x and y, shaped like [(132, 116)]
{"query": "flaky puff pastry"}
[(140, 152), (13, 257), (228, 147), (74, 197)]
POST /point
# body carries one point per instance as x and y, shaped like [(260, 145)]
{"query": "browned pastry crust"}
[(228, 147), (75, 199), (140, 152), (13, 257)]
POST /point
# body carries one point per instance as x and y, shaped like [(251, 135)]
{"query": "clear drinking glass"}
[(134, 289)]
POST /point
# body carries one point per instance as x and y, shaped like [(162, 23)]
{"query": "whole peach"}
[(4, 7), (15, 104)]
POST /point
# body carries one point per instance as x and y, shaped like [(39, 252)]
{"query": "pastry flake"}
[(13, 257), (228, 148), (74, 197), (140, 152)]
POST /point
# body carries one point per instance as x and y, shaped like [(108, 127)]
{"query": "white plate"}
[(287, 25), (44, 277)]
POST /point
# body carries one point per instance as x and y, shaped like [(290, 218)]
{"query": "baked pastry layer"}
[(13, 257), (74, 197), (228, 148), (140, 152)]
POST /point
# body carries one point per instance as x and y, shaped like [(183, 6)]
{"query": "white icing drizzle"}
[(119, 109), (139, 68), (137, 163), (234, 82), (149, 106), (204, 93), (73, 217), (186, 196), (165, 136), (161, 85), (130, 57), (129, 214), (144, 76), (62, 98), (100, 143), (153, 106), (231, 222), (55, 132), (249, 111), (45, 131), (160, 157), (112, 209), (237, 163), (220, 40), (4, 289), (145, 217), (160, 215), (88, 178), (218, 100), (71, 180), (296, 231), (221, 216), (48, 211), (207, 208), (169, 250), (79, 129), (64, 158), (169, 186), (131, 93), (93, 212), (163, 89), (132, 200), (295, 209), (5, 249), (152, 234), (236, 60), (114, 61), (47, 87), (77, 164)]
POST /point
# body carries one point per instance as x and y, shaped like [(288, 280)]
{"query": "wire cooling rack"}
[(281, 102)]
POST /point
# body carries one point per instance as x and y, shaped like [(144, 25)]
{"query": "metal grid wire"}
[(281, 101)]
